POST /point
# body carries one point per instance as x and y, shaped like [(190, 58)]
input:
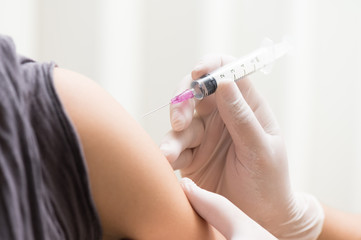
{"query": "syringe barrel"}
[(238, 69), (204, 86)]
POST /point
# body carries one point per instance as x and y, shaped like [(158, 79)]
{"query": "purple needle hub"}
[(187, 94)]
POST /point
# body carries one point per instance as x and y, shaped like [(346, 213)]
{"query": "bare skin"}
[(339, 225), (135, 190)]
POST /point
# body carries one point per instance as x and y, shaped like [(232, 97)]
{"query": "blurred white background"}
[(139, 50)]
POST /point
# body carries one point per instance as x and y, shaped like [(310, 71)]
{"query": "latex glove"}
[(232, 145), (222, 214)]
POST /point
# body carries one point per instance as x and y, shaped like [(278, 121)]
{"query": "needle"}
[(185, 95), (155, 110)]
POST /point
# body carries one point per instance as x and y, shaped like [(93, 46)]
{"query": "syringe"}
[(207, 85)]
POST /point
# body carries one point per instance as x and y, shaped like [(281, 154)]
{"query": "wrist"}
[(304, 220)]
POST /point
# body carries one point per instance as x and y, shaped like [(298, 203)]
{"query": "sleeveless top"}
[(44, 187)]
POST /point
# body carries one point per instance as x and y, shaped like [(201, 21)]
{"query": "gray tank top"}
[(44, 188)]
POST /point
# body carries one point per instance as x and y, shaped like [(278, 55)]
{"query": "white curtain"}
[(139, 50)]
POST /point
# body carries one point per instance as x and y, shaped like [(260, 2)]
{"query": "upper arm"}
[(134, 188)]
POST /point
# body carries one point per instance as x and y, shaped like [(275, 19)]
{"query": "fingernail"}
[(177, 121), (187, 184)]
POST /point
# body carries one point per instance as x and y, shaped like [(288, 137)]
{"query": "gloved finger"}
[(257, 103), (215, 209), (208, 64), (174, 143), (259, 106), (239, 118), (181, 114), (222, 214)]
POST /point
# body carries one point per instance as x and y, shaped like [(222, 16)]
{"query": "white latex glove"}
[(223, 215), (232, 145)]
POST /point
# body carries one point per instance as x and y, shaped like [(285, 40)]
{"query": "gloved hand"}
[(222, 214), (232, 145)]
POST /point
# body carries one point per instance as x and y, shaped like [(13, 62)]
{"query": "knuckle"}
[(242, 111)]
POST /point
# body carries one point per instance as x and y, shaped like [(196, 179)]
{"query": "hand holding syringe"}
[(231, 144), (207, 85)]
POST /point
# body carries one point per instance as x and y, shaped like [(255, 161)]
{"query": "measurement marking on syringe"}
[(244, 69), (240, 68)]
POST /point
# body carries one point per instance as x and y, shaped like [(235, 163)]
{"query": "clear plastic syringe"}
[(207, 85)]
